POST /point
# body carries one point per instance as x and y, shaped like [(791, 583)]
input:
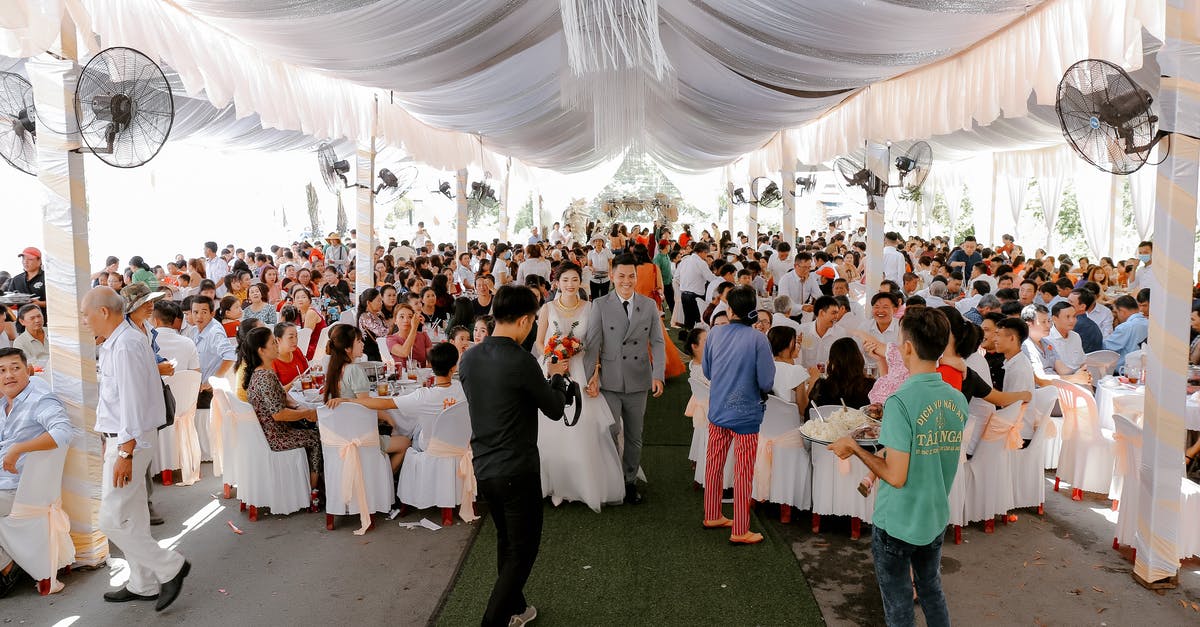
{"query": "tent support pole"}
[(364, 215), (788, 177), (65, 260), (1157, 562), (460, 182)]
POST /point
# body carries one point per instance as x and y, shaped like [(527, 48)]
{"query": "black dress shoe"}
[(155, 519), (170, 590), (124, 595), (9, 581), (632, 496)]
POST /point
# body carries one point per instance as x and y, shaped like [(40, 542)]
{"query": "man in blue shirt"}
[(1088, 330), (1132, 330), (741, 370), (31, 419), (965, 257)]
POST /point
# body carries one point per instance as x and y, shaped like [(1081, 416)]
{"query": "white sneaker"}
[(524, 618)]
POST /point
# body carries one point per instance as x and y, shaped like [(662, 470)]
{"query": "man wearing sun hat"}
[(33, 280), (336, 253)]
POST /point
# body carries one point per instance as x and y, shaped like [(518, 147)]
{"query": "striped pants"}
[(745, 446)]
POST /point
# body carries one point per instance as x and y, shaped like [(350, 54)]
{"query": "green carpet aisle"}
[(650, 564)]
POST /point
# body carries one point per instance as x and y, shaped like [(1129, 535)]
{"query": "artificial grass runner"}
[(646, 564)]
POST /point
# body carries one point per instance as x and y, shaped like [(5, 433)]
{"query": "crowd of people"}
[(757, 315)]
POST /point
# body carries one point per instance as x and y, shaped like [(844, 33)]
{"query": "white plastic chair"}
[(179, 444), (221, 433), (697, 410), (1086, 460), (322, 342), (785, 465), (1029, 474), (1100, 363), (1126, 470), (351, 422), (700, 446), (350, 317), (277, 480), (304, 338), (434, 477), (37, 534), (989, 488)]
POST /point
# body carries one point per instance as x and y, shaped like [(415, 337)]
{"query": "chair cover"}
[(266, 478), (304, 338), (443, 474), (782, 468), (1100, 363), (1028, 465), (1127, 449), (179, 444), (697, 410), (700, 441), (385, 353), (1086, 460), (350, 317), (835, 485), (358, 476), (1053, 444), (221, 423), (322, 342), (1189, 519), (989, 488), (37, 534)]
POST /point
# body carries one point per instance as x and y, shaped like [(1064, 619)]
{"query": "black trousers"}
[(691, 311), (599, 289), (669, 295), (515, 504), (204, 400)]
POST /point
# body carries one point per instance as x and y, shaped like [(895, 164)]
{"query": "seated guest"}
[(782, 315), (792, 382), (239, 367), (31, 419), (1089, 332), (460, 337), (1194, 349), (695, 350), (260, 305), (33, 340), (1132, 331), (409, 342), (762, 321), (1011, 337), (995, 359), (844, 382), (1066, 341), (229, 314), (414, 412), (371, 323), (291, 362), (168, 321), (484, 326), (283, 422), (819, 335)]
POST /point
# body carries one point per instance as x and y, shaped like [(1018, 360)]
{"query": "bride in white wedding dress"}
[(579, 463)]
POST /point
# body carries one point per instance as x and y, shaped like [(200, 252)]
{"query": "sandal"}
[(749, 537), (719, 523)]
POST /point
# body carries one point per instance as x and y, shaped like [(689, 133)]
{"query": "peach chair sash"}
[(765, 460), (60, 528), (189, 448), (466, 471), (353, 484), (999, 428)]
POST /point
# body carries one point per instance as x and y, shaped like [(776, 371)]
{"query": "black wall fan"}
[(332, 169), (765, 194), (392, 185), (18, 128), (124, 107), (1106, 117), (444, 189), (805, 185), (395, 185), (483, 195), (913, 167)]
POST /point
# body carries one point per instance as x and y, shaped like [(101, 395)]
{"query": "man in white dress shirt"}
[(800, 284), (781, 262), (1011, 335), (694, 276), (819, 335), (168, 319), (1101, 315), (128, 414), (1066, 342), (215, 268), (882, 327), (893, 261)]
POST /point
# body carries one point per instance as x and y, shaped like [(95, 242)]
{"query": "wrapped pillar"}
[(460, 182), (364, 220), (877, 162)]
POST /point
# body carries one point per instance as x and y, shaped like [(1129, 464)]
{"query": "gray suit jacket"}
[(631, 351)]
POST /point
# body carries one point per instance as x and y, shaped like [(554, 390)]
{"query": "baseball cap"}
[(31, 252), (827, 273)]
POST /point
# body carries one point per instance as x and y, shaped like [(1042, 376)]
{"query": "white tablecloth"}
[(1113, 397)]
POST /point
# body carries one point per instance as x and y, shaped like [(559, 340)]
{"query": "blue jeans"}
[(893, 560)]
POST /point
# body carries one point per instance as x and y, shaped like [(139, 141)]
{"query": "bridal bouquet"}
[(562, 346)]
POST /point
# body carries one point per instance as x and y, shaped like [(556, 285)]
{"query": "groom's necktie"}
[(625, 304)]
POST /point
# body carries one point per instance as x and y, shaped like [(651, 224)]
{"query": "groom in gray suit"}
[(624, 356)]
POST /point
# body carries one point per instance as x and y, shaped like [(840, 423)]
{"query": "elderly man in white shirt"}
[(694, 275), (128, 414), (800, 285), (782, 315), (1067, 343)]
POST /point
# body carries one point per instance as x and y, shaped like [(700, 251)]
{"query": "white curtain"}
[(954, 194), (1050, 190), (1096, 194), (1017, 188), (1141, 188), (981, 189)]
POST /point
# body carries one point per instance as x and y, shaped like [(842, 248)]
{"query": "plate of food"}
[(843, 422)]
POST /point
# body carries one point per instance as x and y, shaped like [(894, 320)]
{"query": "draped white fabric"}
[(1096, 193), (1141, 188), (1017, 187), (1050, 190), (460, 79)]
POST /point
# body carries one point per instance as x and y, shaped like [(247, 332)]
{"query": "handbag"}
[(169, 401)]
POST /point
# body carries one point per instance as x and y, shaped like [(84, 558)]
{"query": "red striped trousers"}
[(745, 447)]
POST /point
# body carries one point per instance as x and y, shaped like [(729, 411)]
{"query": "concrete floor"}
[(283, 570), (1057, 569)]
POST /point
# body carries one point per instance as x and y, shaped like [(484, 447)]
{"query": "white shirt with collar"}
[(780, 320), (628, 308), (130, 390), (799, 290), (214, 347), (172, 345), (1018, 377), (694, 274), (815, 348), (1103, 317), (215, 269), (1069, 348), (893, 265), (779, 267)]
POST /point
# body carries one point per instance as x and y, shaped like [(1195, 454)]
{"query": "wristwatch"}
[(123, 454)]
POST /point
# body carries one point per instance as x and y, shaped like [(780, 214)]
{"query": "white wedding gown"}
[(579, 463)]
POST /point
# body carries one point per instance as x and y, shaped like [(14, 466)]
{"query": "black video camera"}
[(572, 395)]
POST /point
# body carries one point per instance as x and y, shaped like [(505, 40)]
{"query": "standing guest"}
[(33, 341), (31, 419), (534, 264), (799, 284), (215, 268), (922, 429), (142, 273), (504, 428), (600, 259), (738, 362), (260, 304), (216, 353), (694, 277), (129, 412), (290, 364), (336, 254), (168, 320)]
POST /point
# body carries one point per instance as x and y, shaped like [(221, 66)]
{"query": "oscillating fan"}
[(332, 168), (913, 167), (124, 106), (853, 179), (394, 185), (765, 195), (18, 129), (484, 195), (1106, 117), (805, 185), (444, 189), (738, 196)]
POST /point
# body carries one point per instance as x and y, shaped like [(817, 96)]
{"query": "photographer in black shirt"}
[(505, 389)]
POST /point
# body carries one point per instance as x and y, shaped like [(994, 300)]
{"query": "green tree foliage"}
[(400, 214), (524, 216), (940, 212)]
